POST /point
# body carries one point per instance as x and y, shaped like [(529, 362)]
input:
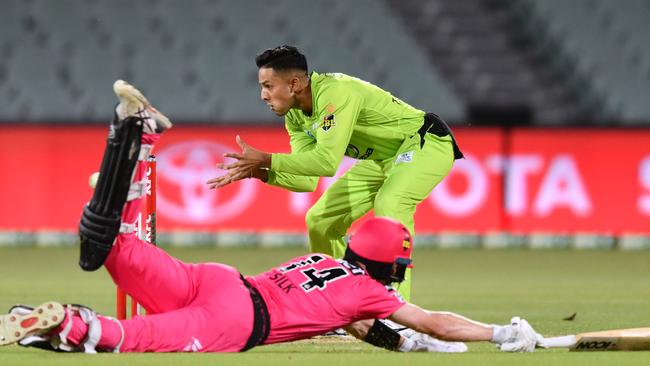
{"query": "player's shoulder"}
[(292, 116), (304, 260), (393, 292), (295, 119), (372, 290), (335, 82), (386, 292)]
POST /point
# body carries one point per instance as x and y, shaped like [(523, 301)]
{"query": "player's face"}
[(276, 90)]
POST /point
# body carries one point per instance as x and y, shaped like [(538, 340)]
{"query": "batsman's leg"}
[(152, 277), (218, 319), (101, 218), (60, 328), (156, 280), (35, 322)]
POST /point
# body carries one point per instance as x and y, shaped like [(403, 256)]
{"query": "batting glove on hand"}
[(519, 336)]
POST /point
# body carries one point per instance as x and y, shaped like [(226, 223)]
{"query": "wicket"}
[(148, 235)]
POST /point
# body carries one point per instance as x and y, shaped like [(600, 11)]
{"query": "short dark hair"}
[(282, 58)]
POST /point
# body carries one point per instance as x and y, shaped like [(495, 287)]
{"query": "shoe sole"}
[(14, 327), (127, 91)]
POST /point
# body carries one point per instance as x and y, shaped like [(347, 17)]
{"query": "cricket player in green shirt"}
[(403, 152)]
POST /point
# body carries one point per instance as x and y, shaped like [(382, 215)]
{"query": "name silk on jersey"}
[(313, 294)]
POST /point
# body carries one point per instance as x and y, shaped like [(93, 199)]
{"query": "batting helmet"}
[(384, 246)]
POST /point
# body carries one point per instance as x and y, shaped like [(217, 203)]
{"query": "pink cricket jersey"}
[(313, 294)]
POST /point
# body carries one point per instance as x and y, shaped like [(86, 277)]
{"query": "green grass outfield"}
[(608, 289)]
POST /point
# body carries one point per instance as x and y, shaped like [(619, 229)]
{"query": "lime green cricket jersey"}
[(350, 117)]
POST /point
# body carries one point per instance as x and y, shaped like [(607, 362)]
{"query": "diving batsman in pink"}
[(211, 307), (207, 307)]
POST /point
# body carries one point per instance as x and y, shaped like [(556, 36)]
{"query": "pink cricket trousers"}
[(190, 307)]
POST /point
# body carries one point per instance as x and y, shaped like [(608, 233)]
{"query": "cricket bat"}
[(634, 339)]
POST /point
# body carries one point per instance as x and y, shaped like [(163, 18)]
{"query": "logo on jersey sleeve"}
[(328, 122), (406, 157)]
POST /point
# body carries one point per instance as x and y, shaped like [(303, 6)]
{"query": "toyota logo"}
[(183, 195)]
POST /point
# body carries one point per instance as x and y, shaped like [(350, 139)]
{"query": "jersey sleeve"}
[(300, 142), (378, 301), (338, 112)]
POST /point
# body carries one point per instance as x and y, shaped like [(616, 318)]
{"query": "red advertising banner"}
[(526, 180), (579, 180)]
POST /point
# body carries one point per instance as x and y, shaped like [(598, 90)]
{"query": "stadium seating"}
[(195, 58), (606, 43), (483, 53)]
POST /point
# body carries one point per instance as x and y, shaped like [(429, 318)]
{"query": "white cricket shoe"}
[(134, 103), (426, 343), (16, 326), (340, 332)]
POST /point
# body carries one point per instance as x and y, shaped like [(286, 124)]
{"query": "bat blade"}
[(634, 339)]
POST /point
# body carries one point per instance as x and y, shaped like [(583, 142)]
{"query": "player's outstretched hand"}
[(248, 161), (519, 336)]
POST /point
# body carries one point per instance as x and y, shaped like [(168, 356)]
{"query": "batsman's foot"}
[(338, 333), (134, 103), (16, 326)]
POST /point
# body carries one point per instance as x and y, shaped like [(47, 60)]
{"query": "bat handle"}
[(560, 342)]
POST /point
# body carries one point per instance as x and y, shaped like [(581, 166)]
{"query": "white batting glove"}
[(519, 336), (540, 342)]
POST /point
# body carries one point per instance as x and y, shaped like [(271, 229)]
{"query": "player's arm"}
[(332, 138), (359, 329), (518, 336), (442, 325), (300, 142), (378, 334)]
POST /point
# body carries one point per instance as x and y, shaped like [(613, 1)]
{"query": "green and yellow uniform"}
[(396, 170)]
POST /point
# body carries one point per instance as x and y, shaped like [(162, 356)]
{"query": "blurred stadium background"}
[(549, 98)]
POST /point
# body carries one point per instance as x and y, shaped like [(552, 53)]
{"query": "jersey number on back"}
[(319, 278)]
